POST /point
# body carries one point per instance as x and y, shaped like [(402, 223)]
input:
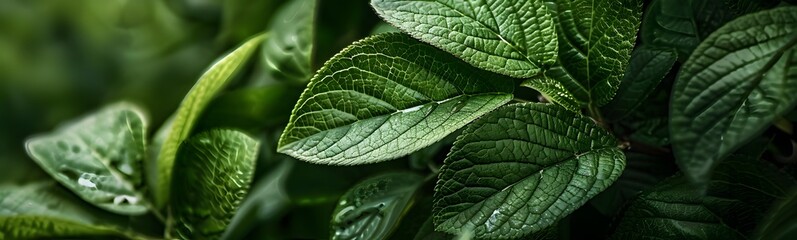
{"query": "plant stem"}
[(595, 113)]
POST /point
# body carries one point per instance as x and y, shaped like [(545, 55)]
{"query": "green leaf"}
[(42, 210), (732, 87), (781, 221), (373, 208), (642, 172), (647, 68), (208, 85), (595, 42), (514, 38), (385, 97), (521, 168), (99, 157), (266, 200), (288, 53), (737, 197), (682, 25), (216, 168), (250, 109)]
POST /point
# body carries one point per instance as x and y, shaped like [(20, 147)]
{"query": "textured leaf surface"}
[(521, 168), (385, 97), (595, 42), (646, 69), (781, 221), (514, 38), (372, 209), (732, 87), (642, 172), (216, 168), (42, 210), (99, 157), (682, 25), (737, 198), (288, 52), (208, 85)]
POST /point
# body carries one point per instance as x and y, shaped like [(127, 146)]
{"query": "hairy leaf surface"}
[(521, 168), (288, 52), (732, 87), (737, 197), (595, 42), (99, 157), (208, 85), (514, 38), (385, 97), (647, 67), (216, 168), (373, 208), (42, 210)]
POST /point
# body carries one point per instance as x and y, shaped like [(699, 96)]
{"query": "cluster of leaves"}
[(707, 89)]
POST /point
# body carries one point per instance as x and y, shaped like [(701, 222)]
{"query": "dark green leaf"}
[(99, 157), (385, 97), (645, 70), (641, 173), (737, 197), (682, 25), (732, 87), (288, 52), (208, 85), (595, 42), (42, 210), (521, 168), (267, 199), (514, 38), (373, 208), (781, 221), (215, 170), (250, 109)]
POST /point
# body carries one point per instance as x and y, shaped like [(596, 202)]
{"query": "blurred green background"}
[(60, 59)]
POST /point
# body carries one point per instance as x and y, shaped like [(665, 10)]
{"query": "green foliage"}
[(398, 119), (99, 158), (515, 38), (595, 42), (208, 85), (535, 164), (373, 208), (735, 84), (216, 168), (385, 97)]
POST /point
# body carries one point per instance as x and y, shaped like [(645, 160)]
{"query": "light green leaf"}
[(781, 222), (683, 24), (99, 157), (737, 197), (216, 168), (42, 210), (288, 53), (208, 85), (514, 38), (385, 97), (647, 67), (595, 42), (373, 208), (732, 87), (521, 168)]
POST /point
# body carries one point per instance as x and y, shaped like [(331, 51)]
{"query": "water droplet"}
[(85, 180), (125, 198), (126, 168), (493, 220)]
